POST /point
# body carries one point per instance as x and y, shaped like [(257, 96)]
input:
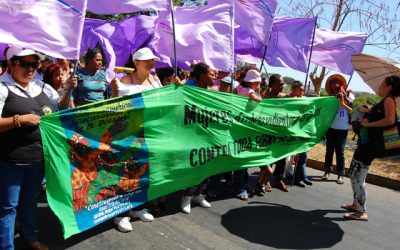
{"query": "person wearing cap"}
[(92, 85), (23, 100), (141, 79), (336, 136), (250, 85), (138, 81)]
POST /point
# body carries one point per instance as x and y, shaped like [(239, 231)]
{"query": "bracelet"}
[(16, 121)]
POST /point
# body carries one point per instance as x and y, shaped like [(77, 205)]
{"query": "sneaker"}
[(325, 177), (37, 246), (260, 189), (123, 224), (200, 200), (143, 215), (185, 204), (299, 184), (307, 182), (340, 180)]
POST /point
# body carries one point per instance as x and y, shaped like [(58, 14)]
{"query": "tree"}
[(371, 16)]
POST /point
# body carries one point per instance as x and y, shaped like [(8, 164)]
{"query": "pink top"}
[(243, 91)]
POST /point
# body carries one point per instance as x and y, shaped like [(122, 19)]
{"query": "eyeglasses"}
[(27, 65)]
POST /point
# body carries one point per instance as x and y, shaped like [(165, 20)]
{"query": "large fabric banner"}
[(106, 158), (53, 27)]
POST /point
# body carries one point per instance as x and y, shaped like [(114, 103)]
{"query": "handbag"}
[(391, 139)]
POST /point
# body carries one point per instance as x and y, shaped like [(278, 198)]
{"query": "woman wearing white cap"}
[(140, 80), (23, 100), (250, 85)]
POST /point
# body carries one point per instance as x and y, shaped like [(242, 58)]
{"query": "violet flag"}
[(202, 34), (247, 48), (333, 49), (290, 43), (126, 6), (51, 27), (256, 17), (125, 36)]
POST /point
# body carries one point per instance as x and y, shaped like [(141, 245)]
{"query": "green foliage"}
[(366, 99), (288, 80)]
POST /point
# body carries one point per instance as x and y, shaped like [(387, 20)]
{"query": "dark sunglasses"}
[(27, 65)]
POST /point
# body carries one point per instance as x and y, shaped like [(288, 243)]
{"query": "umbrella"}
[(373, 70)]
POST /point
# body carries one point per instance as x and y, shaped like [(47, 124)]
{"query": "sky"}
[(356, 83)]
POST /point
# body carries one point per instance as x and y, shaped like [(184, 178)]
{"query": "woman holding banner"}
[(371, 145), (138, 81), (23, 100)]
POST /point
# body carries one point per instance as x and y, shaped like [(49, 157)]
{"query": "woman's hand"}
[(72, 83), (365, 122), (114, 87), (29, 120)]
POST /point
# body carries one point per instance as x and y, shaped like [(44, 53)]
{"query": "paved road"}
[(304, 218)]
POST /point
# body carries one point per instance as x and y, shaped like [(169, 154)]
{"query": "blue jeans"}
[(300, 172), (239, 181), (19, 188), (335, 142)]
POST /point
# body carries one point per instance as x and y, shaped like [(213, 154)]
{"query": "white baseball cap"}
[(15, 50), (144, 54), (252, 76)]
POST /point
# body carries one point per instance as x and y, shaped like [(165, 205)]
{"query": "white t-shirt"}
[(34, 89), (130, 89), (341, 121)]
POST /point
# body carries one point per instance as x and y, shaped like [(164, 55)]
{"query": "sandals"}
[(268, 187), (356, 216), (348, 207)]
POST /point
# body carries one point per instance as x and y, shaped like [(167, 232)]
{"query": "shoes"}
[(325, 176), (349, 207), (260, 189), (143, 215), (200, 200), (340, 180), (37, 246), (123, 224), (244, 196), (280, 185), (185, 204), (299, 184), (356, 216), (307, 182)]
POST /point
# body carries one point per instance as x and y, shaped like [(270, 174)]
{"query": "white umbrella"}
[(373, 70)]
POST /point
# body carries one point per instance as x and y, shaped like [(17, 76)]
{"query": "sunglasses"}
[(27, 65)]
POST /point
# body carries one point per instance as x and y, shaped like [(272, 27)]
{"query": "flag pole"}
[(311, 50), (174, 35), (348, 82), (265, 53)]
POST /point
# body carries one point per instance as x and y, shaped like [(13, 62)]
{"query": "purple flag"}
[(290, 43), (333, 49), (52, 27), (125, 36), (202, 34), (2, 48), (255, 16), (126, 6), (247, 48)]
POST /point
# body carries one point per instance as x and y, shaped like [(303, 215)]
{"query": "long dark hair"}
[(393, 81)]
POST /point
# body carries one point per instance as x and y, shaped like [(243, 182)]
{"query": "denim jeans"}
[(19, 188), (335, 142), (239, 181), (300, 172)]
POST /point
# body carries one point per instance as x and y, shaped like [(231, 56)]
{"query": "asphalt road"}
[(304, 218)]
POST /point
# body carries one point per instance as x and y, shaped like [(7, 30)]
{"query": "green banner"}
[(106, 158)]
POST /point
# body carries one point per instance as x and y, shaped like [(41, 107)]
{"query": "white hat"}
[(15, 50), (144, 54), (252, 76)]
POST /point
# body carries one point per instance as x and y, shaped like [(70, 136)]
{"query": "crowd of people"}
[(33, 85)]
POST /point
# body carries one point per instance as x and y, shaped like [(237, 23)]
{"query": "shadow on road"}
[(281, 226)]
